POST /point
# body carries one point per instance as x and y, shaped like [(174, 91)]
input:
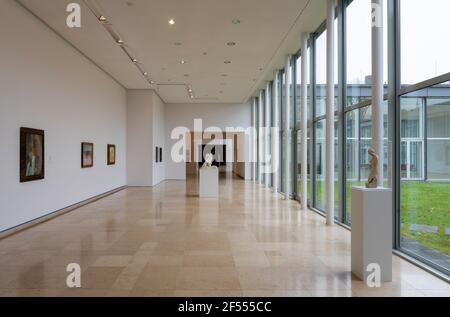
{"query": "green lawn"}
[(422, 203), (427, 203)]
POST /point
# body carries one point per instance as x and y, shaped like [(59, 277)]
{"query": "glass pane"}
[(320, 165), (298, 90), (425, 184), (359, 51), (358, 125), (299, 163), (321, 74), (424, 45), (351, 158)]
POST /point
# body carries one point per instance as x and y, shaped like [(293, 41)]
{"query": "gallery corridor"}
[(160, 242)]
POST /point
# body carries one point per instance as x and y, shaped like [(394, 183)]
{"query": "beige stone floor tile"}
[(152, 293), (156, 278), (209, 293), (100, 277), (160, 242), (208, 278), (251, 261), (208, 261), (432, 293), (165, 260), (276, 293)]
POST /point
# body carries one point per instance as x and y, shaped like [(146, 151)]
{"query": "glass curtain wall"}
[(297, 133), (423, 103), (416, 119)]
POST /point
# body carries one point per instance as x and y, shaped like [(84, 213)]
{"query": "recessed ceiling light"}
[(120, 41), (102, 18), (261, 69), (145, 74), (221, 92), (224, 75), (236, 21), (134, 60), (227, 62), (182, 61), (231, 43), (177, 43), (205, 53), (171, 21), (152, 82), (186, 75)]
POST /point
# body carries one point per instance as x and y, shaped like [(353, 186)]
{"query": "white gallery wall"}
[(213, 115), (46, 84), (145, 132)]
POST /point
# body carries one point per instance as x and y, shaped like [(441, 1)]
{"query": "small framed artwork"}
[(87, 155), (111, 154), (32, 159), (160, 155), (157, 154)]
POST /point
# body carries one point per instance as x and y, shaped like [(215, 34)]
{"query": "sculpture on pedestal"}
[(208, 160), (372, 182)]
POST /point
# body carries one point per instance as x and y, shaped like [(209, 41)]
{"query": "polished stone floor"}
[(162, 242)]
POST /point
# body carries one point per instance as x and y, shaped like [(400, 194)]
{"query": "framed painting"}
[(87, 155), (111, 154), (32, 159)]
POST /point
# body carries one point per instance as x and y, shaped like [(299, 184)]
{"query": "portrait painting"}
[(87, 155), (111, 154), (31, 155)]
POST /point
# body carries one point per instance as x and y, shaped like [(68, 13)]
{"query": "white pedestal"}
[(372, 231), (209, 182)]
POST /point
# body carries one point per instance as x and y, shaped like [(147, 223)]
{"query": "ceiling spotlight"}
[(102, 18), (120, 41), (231, 43), (145, 74), (236, 21), (182, 61), (227, 62), (171, 21), (134, 60)]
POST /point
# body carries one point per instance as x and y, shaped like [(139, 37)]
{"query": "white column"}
[(261, 138), (287, 129), (275, 134), (304, 120), (377, 86), (330, 112), (267, 136)]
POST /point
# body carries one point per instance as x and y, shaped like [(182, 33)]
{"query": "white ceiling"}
[(269, 30)]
